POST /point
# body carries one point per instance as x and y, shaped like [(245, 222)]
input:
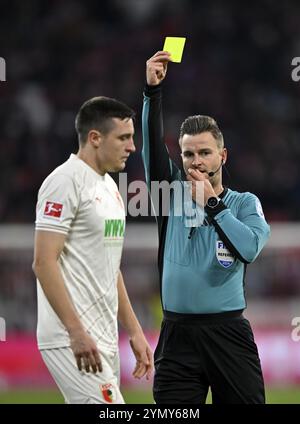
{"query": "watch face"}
[(212, 202)]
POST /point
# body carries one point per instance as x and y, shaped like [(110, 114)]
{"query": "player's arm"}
[(48, 246), (138, 342), (158, 166)]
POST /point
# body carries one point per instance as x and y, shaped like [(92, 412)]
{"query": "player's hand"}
[(85, 351), (195, 175), (156, 67), (143, 355)]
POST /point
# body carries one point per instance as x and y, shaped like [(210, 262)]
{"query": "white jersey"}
[(76, 201)]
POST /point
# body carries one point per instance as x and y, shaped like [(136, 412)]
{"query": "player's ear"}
[(94, 137)]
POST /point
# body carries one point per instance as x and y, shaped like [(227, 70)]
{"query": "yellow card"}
[(175, 46)]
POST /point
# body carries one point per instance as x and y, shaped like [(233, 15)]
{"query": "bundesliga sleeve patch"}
[(53, 210)]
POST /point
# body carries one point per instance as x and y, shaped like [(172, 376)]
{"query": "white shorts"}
[(80, 386)]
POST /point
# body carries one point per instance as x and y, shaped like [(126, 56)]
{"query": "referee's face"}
[(200, 151), (116, 146)]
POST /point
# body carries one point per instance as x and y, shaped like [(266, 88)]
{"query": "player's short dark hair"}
[(198, 124), (97, 114)]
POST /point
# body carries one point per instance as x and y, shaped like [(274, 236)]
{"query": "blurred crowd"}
[(236, 67)]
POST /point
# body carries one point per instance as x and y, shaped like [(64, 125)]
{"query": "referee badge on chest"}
[(224, 256)]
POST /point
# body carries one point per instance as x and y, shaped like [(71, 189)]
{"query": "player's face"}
[(201, 152), (117, 145)]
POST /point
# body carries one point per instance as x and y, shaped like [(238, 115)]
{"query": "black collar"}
[(224, 192)]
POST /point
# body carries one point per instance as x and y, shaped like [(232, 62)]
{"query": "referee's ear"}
[(224, 156)]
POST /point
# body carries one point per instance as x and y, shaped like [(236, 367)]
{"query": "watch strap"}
[(214, 211)]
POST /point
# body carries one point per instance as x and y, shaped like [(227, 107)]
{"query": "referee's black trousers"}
[(196, 352)]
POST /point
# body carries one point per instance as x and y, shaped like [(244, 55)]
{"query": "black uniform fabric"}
[(198, 351)]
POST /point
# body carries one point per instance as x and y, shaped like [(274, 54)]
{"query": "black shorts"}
[(195, 352)]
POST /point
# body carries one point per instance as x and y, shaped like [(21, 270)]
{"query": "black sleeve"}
[(158, 166)]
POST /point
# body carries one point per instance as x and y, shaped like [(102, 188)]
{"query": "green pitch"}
[(275, 396)]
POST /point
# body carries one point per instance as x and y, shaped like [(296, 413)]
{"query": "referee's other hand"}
[(156, 67), (143, 355)]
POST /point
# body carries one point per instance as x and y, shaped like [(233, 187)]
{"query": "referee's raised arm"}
[(155, 154)]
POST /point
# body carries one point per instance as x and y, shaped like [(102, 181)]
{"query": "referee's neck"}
[(219, 189)]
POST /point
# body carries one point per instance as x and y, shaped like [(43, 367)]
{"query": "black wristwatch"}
[(212, 202), (214, 205)]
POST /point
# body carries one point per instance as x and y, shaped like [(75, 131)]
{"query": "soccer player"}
[(80, 223), (205, 341)]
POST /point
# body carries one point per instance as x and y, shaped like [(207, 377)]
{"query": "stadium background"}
[(236, 67)]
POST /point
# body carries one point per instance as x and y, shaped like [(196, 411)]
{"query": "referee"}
[(205, 341)]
